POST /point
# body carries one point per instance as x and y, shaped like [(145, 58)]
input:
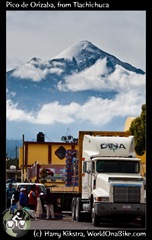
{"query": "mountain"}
[(12, 147), (86, 54), (60, 90), (38, 81)]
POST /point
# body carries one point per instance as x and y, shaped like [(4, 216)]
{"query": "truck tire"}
[(95, 219), (73, 208), (78, 210)]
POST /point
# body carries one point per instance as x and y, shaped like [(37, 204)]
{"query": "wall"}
[(45, 153)]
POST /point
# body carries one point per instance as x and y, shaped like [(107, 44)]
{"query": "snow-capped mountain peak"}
[(76, 50), (86, 54)]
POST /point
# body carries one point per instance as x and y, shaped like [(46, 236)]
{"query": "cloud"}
[(55, 112), (29, 71), (130, 96), (85, 80), (97, 78), (97, 111), (16, 114)]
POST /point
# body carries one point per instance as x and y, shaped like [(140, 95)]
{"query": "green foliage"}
[(138, 129), (69, 139)]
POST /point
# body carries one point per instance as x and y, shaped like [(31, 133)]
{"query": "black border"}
[(3, 106)]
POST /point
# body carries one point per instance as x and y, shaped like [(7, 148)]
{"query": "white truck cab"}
[(112, 186)]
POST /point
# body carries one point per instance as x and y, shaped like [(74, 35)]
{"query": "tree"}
[(138, 129), (69, 139)]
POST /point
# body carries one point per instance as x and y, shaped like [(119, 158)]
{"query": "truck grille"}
[(128, 194)]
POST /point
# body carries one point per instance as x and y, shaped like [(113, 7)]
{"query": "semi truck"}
[(111, 185), (100, 178), (103, 179)]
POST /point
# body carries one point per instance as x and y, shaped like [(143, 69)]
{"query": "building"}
[(13, 175), (51, 156), (35, 156)]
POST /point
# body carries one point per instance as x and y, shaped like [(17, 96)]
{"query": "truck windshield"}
[(117, 166)]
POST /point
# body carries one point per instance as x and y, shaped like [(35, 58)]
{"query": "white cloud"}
[(130, 96), (58, 71), (87, 79), (28, 71), (16, 114), (54, 112), (101, 111), (96, 78), (97, 111)]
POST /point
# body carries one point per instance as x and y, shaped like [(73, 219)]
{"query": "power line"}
[(48, 138)]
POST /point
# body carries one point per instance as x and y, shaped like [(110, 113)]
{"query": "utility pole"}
[(16, 165), (23, 159)]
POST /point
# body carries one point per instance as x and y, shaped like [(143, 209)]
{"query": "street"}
[(68, 223)]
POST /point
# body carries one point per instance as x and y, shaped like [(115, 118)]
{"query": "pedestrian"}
[(15, 198), (23, 198), (9, 192), (49, 199), (39, 210), (16, 194), (13, 205), (33, 198), (42, 196)]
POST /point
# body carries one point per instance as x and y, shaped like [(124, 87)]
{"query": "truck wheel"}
[(78, 209), (95, 219), (73, 208)]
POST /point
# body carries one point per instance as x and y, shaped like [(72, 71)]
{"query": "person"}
[(16, 194), (42, 196), (9, 192), (39, 210), (23, 197), (13, 205), (33, 198), (49, 199), (15, 200)]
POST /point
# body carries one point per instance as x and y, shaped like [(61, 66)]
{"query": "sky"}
[(46, 34)]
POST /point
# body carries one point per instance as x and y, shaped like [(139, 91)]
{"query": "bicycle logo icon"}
[(16, 221)]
